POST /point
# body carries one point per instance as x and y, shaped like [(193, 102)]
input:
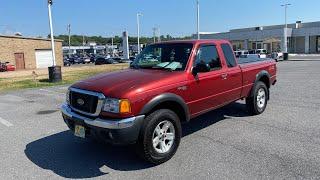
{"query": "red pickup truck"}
[(167, 84)]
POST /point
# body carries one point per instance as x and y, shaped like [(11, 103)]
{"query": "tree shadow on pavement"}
[(71, 157)]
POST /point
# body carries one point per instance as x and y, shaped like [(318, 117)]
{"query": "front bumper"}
[(115, 131)]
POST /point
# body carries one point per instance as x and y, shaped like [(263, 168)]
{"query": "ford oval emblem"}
[(80, 102)]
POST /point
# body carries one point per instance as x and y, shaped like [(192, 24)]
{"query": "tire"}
[(145, 146), (258, 100)]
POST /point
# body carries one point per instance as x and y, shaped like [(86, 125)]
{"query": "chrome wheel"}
[(261, 98), (163, 136)]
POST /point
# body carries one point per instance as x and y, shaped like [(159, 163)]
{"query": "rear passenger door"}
[(205, 90), (232, 80)]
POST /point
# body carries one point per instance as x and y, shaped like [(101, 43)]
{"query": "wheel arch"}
[(262, 76), (168, 101)]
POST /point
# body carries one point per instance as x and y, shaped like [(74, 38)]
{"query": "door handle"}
[(224, 76)]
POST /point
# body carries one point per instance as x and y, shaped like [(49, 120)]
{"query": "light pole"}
[(154, 34), (54, 71), (112, 46), (69, 29), (138, 30), (286, 27), (83, 44), (198, 20), (159, 35), (51, 33)]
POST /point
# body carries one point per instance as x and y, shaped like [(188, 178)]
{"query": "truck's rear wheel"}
[(160, 136), (257, 102)]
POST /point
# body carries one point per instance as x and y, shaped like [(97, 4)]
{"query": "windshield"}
[(173, 57)]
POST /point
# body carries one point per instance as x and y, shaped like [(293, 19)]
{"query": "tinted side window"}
[(208, 56), (228, 54)]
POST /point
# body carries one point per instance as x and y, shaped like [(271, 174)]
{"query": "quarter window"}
[(228, 54)]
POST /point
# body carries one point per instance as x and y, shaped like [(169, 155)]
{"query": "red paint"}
[(208, 92)]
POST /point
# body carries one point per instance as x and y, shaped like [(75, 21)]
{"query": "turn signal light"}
[(125, 106)]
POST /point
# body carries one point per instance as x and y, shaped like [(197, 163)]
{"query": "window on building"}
[(228, 54)]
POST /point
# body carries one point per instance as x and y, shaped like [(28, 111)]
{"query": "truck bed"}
[(250, 67), (251, 60)]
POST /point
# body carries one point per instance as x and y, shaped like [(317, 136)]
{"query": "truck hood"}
[(118, 84)]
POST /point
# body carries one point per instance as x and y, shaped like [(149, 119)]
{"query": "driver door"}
[(206, 88)]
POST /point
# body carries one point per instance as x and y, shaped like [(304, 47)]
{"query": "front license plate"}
[(79, 131)]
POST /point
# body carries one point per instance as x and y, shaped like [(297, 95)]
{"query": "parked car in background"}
[(66, 62), (78, 59), (92, 58), (261, 52), (11, 67), (240, 52), (5, 66), (100, 60), (119, 59), (277, 55), (250, 56), (86, 60), (132, 58)]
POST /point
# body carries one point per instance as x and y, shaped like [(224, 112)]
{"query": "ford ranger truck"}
[(168, 83)]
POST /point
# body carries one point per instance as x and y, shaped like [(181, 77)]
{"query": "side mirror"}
[(200, 67)]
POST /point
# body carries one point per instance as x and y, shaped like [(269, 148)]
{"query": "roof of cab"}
[(195, 41)]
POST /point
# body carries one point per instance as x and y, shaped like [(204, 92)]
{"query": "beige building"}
[(29, 53)]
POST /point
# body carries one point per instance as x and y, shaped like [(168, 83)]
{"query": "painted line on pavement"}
[(5, 122)]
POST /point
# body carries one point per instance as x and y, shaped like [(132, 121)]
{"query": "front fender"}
[(164, 98)]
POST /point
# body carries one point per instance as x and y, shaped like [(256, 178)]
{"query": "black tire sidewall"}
[(258, 86), (153, 120)]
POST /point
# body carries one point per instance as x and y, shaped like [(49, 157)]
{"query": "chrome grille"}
[(86, 102)]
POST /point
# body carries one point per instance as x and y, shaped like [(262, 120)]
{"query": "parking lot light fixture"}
[(55, 74), (138, 30), (285, 27), (51, 33), (198, 20)]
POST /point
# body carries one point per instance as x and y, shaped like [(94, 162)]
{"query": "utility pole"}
[(286, 27), (51, 33), (138, 30), (69, 30), (198, 20)]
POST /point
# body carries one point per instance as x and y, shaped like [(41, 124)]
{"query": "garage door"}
[(43, 58)]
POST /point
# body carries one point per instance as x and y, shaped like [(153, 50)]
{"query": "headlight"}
[(68, 97), (117, 105)]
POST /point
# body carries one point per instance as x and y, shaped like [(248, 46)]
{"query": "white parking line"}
[(5, 122)]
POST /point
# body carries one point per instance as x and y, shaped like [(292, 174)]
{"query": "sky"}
[(174, 17)]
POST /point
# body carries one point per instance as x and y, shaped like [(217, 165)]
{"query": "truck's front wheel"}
[(160, 136)]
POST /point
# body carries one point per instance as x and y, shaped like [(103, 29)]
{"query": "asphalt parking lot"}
[(282, 143)]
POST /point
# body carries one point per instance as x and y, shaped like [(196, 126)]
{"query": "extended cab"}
[(167, 84)]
